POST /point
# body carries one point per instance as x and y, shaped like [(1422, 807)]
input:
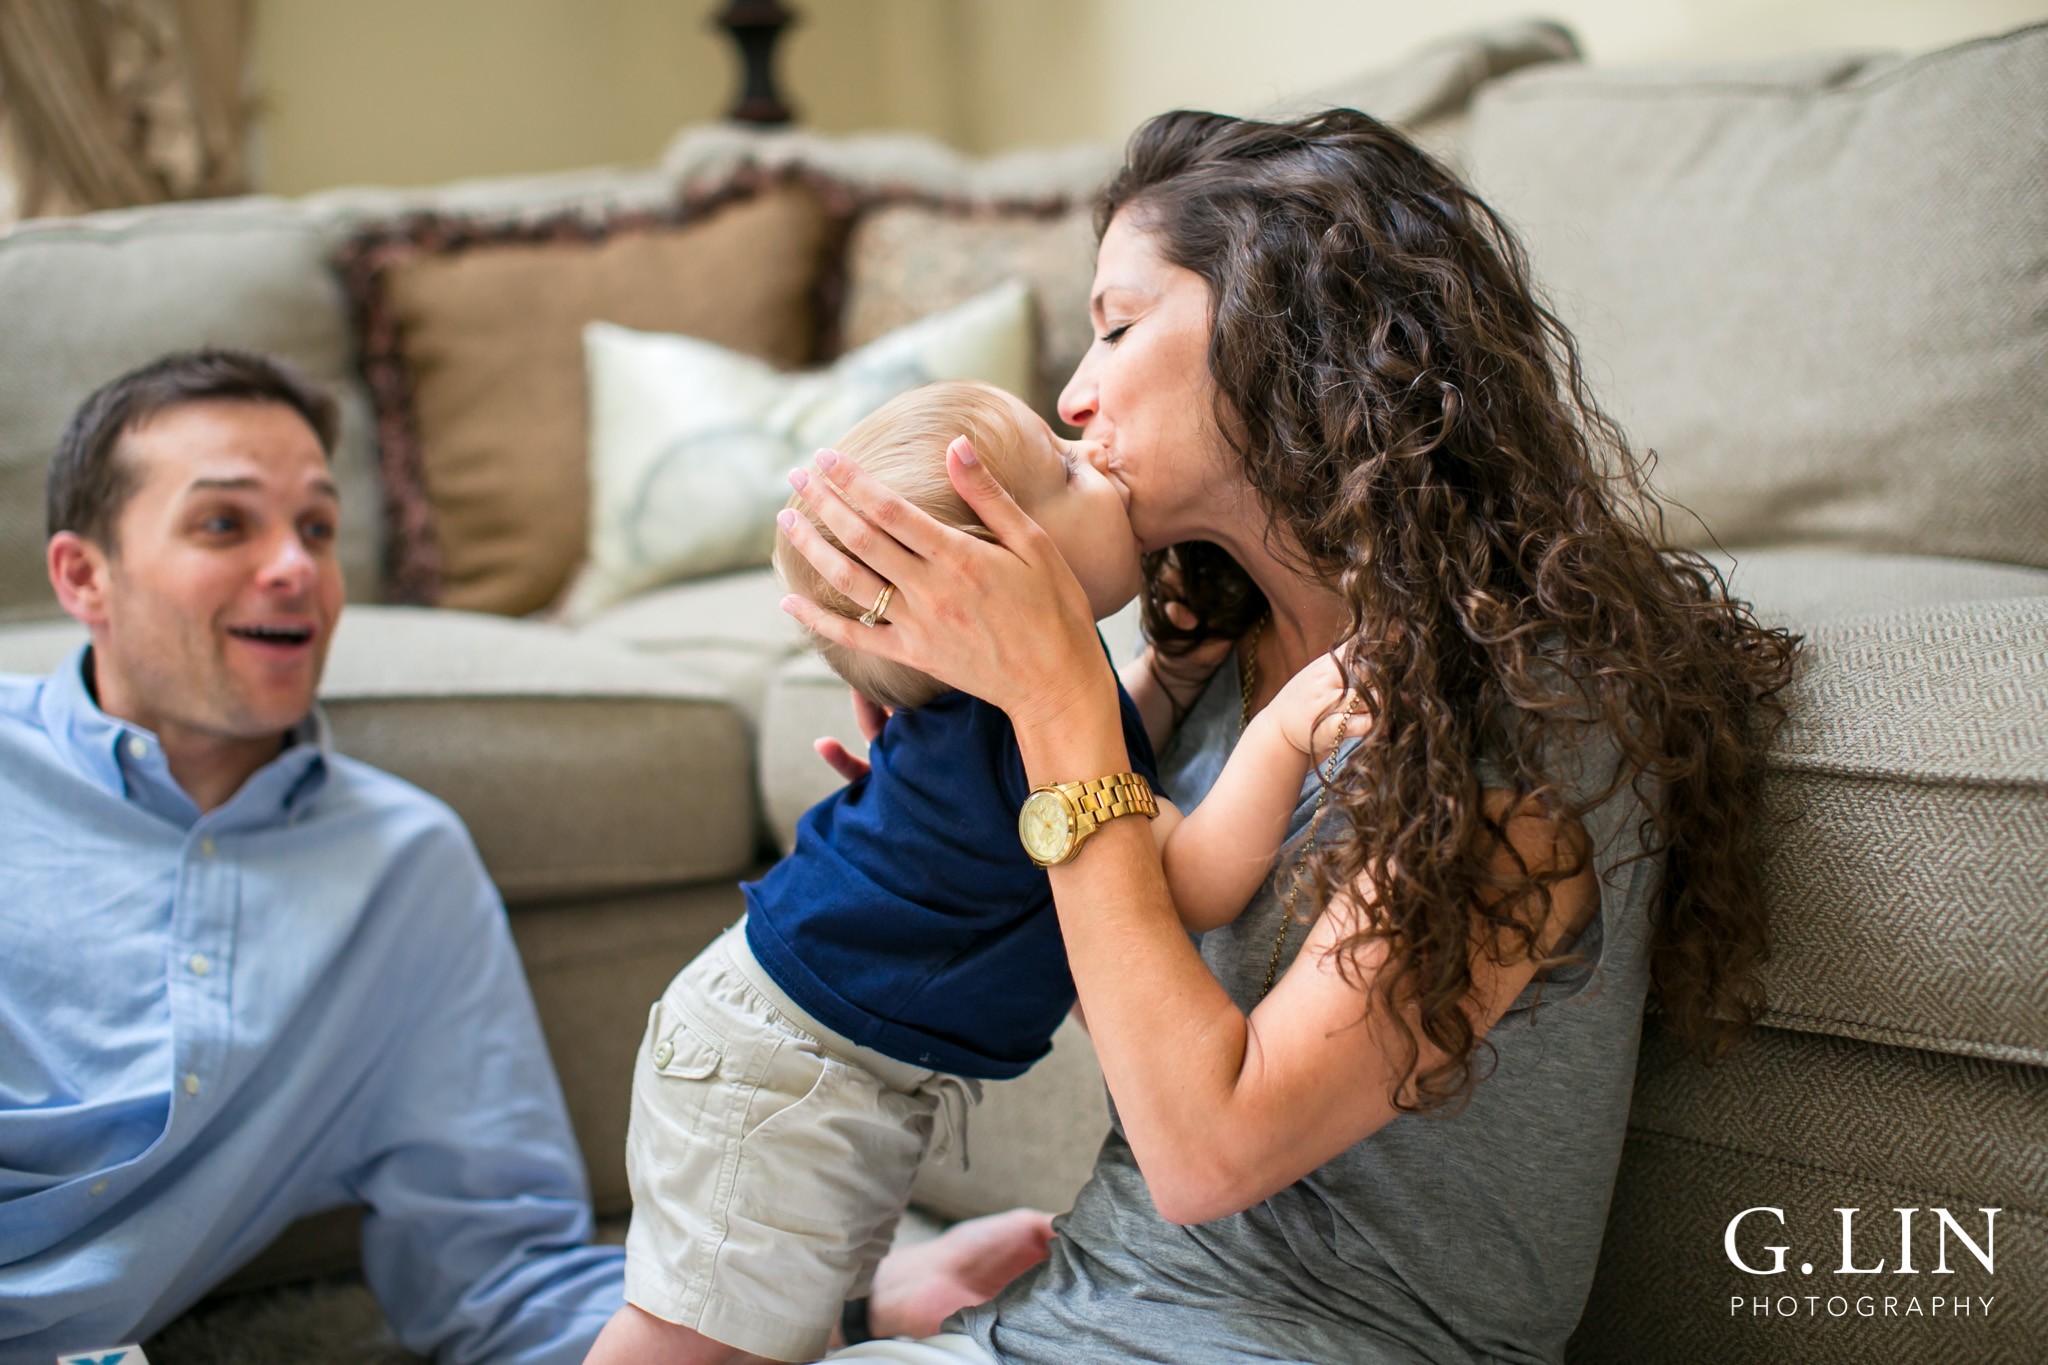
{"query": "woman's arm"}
[(1221, 1108)]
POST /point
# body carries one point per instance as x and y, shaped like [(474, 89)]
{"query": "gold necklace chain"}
[(1247, 678)]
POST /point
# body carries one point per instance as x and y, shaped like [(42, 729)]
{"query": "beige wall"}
[(409, 92), (417, 91), (1237, 57)]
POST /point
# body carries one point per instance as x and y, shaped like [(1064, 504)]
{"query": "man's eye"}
[(321, 531), (220, 526)]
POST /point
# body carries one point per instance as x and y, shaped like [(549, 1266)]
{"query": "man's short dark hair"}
[(90, 482)]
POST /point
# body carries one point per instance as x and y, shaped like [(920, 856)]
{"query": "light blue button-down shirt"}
[(212, 1024)]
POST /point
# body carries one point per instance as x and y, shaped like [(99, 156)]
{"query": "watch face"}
[(1046, 827)]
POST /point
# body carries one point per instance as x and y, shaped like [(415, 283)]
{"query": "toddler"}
[(907, 949)]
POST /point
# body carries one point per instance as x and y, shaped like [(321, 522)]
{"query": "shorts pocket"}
[(680, 1101), (837, 1161)]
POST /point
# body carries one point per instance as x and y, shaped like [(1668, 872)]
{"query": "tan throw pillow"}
[(910, 260), (492, 339)]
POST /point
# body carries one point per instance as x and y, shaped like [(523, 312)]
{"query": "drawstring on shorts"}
[(956, 1095)]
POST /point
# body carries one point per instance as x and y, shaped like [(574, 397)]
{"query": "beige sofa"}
[(1819, 289)]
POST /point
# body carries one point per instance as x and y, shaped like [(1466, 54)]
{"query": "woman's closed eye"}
[(1114, 334)]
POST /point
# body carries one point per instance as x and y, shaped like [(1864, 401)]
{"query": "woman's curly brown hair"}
[(1419, 426)]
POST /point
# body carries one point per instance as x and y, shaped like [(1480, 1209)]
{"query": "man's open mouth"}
[(273, 635)]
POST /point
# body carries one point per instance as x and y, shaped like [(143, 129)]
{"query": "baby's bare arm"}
[(1217, 856), (1221, 852)]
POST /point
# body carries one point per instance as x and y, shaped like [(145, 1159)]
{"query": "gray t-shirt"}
[(1468, 1238)]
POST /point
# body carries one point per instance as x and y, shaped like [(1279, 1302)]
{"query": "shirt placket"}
[(200, 969)]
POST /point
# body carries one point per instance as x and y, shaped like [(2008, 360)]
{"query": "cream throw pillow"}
[(690, 442)]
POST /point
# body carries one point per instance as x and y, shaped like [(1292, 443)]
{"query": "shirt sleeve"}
[(477, 1237)]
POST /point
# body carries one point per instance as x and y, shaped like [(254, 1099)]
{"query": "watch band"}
[(853, 1321), (1058, 818), (1106, 798)]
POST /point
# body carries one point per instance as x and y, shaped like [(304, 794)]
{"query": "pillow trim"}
[(412, 552)]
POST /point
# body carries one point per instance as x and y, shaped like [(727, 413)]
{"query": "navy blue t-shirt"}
[(908, 917)]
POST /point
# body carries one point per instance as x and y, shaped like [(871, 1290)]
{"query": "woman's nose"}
[(1077, 400)]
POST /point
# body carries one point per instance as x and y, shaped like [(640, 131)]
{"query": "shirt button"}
[(98, 1187), (138, 746), (206, 847), (199, 965), (663, 1052), (191, 1082)]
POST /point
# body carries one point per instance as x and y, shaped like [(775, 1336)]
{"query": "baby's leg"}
[(765, 1170), (637, 1337)]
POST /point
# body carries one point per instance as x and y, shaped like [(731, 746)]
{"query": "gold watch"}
[(1057, 819)]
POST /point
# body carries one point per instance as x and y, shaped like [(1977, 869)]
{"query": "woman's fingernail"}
[(786, 519), (789, 604), (827, 459), (964, 448), (799, 480)]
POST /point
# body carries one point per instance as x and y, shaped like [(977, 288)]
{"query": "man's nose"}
[(289, 566)]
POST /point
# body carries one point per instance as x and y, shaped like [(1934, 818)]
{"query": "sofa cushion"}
[(1908, 801), (474, 337), (88, 299), (1817, 289), (579, 767), (1906, 834), (1804, 587), (730, 628), (1811, 1125), (596, 968)]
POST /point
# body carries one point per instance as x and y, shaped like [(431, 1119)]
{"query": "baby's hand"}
[(1311, 706)]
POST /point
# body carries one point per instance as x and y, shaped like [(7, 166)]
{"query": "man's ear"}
[(79, 571)]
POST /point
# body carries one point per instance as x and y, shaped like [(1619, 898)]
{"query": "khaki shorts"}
[(770, 1158)]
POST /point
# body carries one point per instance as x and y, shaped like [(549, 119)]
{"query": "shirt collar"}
[(127, 761)]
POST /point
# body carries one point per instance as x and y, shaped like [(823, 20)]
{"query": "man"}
[(243, 978)]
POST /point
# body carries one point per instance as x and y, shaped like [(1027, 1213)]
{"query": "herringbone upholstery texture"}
[(1810, 1125), (1907, 864)]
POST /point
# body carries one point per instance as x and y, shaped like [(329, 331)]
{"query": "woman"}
[(1377, 1118)]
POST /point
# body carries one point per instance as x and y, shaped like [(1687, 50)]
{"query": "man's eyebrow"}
[(244, 483)]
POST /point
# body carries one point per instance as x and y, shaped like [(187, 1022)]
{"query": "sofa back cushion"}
[(86, 299), (1818, 289)]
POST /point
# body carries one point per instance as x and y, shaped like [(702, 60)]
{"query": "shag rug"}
[(333, 1321), (319, 1322)]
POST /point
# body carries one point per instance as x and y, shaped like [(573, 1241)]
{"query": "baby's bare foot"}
[(919, 1286)]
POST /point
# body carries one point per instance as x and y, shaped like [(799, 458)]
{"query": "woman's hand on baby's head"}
[(1310, 708), (1004, 619)]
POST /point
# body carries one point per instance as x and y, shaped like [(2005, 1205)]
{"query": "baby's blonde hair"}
[(902, 445)]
